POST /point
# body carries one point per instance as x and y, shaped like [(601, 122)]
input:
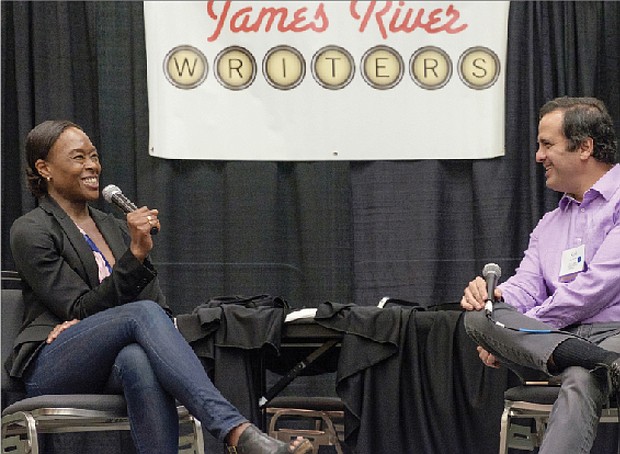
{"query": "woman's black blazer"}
[(60, 275)]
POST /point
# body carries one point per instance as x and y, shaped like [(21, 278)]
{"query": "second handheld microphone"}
[(491, 274)]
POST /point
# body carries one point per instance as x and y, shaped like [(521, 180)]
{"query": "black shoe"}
[(613, 375), (253, 441)]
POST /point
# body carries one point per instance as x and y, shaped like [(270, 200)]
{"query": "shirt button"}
[(583, 210)]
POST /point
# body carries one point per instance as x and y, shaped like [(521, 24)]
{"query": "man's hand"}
[(475, 295), (487, 358)]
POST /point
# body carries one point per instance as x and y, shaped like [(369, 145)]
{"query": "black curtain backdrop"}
[(308, 231)]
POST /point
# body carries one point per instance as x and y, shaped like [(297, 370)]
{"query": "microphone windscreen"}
[(109, 191), (491, 268)]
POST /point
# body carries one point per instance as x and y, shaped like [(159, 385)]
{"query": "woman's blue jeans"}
[(135, 349)]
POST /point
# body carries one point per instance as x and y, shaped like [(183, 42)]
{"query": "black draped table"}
[(410, 379)]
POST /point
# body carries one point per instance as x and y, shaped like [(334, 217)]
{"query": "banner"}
[(333, 80)]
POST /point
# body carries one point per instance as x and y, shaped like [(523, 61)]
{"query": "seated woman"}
[(96, 320)]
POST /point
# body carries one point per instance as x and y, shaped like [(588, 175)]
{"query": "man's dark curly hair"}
[(586, 117)]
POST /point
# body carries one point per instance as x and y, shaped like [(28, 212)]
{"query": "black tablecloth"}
[(230, 339), (411, 380)]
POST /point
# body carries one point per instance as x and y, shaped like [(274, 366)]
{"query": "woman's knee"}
[(132, 356), (134, 366), (145, 305), (145, 310)]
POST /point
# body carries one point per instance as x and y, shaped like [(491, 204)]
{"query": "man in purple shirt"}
[(559, 315)]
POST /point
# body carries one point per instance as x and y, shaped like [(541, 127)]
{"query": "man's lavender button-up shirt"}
[(594, 294)]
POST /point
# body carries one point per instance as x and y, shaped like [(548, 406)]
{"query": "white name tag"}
[(573, 262)]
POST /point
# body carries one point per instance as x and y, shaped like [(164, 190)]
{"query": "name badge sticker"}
[(573, 263)]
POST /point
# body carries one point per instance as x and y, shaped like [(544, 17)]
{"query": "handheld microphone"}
[(491, 273), (113, 194)]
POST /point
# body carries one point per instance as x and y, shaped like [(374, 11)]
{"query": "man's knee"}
[(580, 382), (475, 322)]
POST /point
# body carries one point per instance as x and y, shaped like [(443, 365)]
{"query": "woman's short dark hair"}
[(38, 144), (586, 117)]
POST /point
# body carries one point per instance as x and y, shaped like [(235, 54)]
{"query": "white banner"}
[(333, 80)]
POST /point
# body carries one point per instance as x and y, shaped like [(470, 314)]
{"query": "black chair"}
[(24, 418), (533, 402), (319, 419), (307, 348)]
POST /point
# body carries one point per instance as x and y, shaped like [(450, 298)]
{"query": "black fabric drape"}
[(230, 340), (412, 382)]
